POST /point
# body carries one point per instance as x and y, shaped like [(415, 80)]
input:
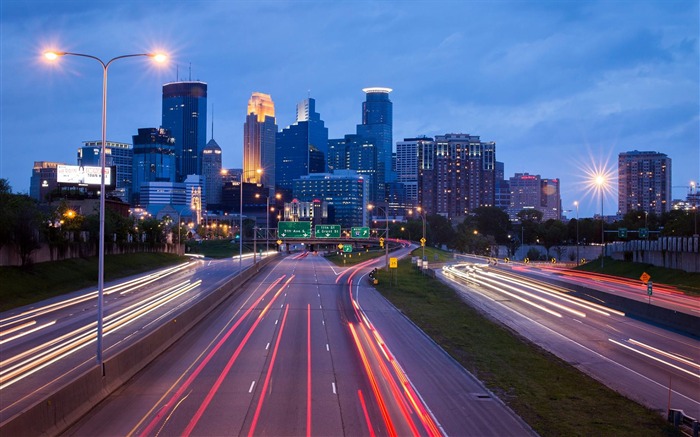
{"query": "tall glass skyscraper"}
[(259, 132), (301, 148), (185, 116), (376, 128), (154, 160)]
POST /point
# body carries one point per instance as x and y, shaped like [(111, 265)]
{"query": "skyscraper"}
[(301, 147), (412, 156), (153, 160), (211, 170), (44, 179), (185, 116), (118, 155), (644, 182), (462, 178), (259, 132), (376, 128), (344, 190)]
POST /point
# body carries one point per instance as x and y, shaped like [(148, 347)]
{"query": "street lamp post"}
[(422, 216), (386, 234), (600, 181), (577, 257), (240, 220), (51, 55)]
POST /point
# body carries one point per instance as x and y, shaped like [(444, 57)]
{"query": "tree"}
[(553, 233), (441, 231), (6, 213), (493, 221), (26, 226)]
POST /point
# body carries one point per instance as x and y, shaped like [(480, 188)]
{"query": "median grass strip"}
[(553, 397), (23, 286)]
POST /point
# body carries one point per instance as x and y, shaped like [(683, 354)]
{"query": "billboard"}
[(82, 175)]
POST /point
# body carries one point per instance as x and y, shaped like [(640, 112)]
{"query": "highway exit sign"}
[(359, 232), (294, 229), (327, 231)]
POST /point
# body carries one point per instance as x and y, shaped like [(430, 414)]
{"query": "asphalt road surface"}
[(306, 348)]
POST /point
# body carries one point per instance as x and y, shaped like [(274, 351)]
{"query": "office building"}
[(502, 188), (259, 136), (344, 190), (377, 129), (644, 182), (301, 147), (211, 171), (185, 116), (44, 180), (462, 177), (550, 203), (163, 193), (153, 160), (117, 155)]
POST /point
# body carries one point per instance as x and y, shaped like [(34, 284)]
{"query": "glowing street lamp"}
[(52, 56)]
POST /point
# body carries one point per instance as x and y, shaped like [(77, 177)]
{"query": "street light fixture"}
[(52, 56), (386, 233)]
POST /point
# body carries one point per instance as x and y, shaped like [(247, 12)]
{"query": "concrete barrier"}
[(58, 410)]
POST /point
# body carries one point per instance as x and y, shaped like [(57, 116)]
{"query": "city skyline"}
[(589, 82)]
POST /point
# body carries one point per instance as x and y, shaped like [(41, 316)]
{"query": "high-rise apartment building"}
[(413, 155), (462, 177), (211, 170), (185, 116), (644, 182), (117, 155), (259, 137), (377, 129), (301, 147), (153, 160)]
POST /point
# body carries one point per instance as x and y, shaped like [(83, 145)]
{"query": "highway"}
[(654, 366), (47, 344), (305, 348)]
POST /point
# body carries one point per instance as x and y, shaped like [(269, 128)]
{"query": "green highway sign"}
[(327, 231), (643, 233), (294, 229), (347, 248), (359, 232), (622, 233)]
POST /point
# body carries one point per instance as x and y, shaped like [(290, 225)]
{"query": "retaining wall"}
[(58, 410)]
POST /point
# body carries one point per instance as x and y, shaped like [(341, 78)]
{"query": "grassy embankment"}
[(44, 280), (552, 396), (685, 281)]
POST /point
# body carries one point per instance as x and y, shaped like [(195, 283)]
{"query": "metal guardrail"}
[(679, 419)]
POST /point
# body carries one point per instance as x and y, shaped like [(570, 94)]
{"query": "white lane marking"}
[(277, 321), (654, 358), (267, 347), (252, 384), (328, 348), (333, 385)]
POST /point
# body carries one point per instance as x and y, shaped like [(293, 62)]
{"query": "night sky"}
[(562, 87)]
